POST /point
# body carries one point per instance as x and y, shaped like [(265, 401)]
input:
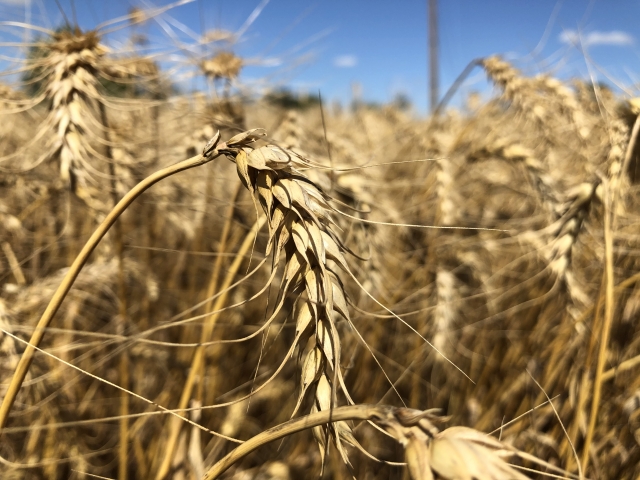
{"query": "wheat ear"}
[(301, 230)]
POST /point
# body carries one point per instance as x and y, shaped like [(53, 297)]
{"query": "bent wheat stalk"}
[(352, 412), (457, 452), (208, 154)]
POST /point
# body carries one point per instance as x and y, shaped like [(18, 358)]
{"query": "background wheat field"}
[(344, 291)]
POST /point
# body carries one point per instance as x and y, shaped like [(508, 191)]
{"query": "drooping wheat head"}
[(302, 234)]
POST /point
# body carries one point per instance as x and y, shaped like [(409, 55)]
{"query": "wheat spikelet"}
[(446, 310), (619, 180), (289, 134)]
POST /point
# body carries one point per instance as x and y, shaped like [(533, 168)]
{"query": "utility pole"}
[(434, 73)]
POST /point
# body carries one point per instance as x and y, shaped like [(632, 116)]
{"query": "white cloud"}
[(271, 62), (345, 61), (15, 2), (613, 38)]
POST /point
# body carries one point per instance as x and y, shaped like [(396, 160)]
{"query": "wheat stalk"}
[(53, 306), (197, 362)]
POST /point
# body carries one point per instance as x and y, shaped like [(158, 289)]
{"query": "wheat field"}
[(223, 285)]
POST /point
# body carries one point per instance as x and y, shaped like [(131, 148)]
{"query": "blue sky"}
[(328, 45)]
